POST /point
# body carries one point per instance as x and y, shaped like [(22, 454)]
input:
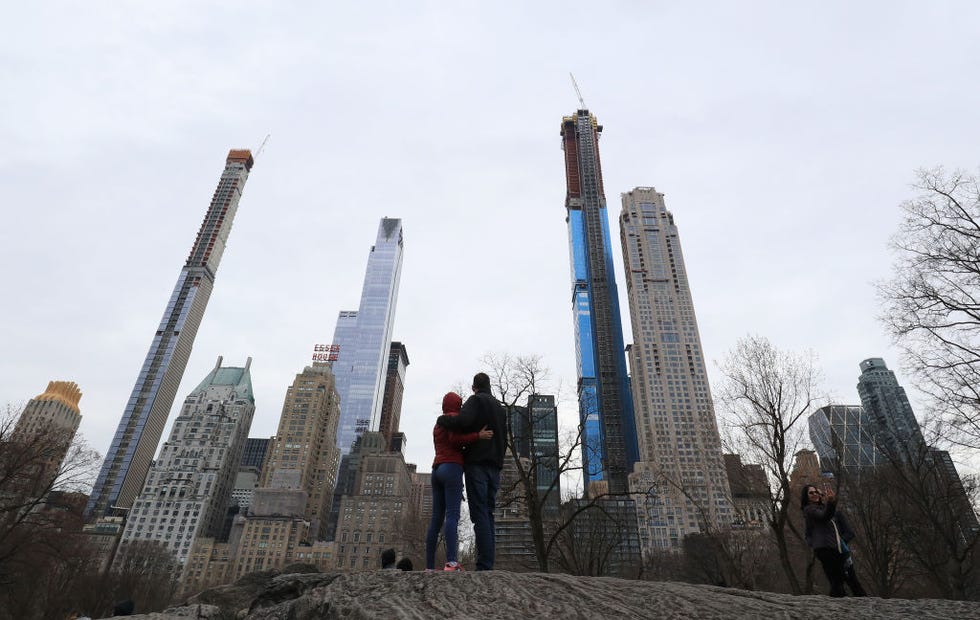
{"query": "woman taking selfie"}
[(828, 533)]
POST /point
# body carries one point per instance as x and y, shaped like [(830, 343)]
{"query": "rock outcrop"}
[(510, 596)]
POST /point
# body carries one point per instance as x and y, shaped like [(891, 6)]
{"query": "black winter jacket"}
[(480, 410), (820, 520)]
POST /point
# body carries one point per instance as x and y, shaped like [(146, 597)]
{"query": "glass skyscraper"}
[(897, 432), (364, 338), (534, 429), (609, 447), (128, 460), (843, 436)]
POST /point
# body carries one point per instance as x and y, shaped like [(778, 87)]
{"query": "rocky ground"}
[(509, 596)]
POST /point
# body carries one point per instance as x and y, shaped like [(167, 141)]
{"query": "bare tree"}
[(31, 476), (932, 510), (146, 572), (537, 474), (872, 500), (591, 536), (43, 476), (932, 301), (767, 393)]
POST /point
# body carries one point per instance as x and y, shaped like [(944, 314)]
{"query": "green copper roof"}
[(240, 378)]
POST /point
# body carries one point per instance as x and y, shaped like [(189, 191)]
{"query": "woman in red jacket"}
[(447, 484)]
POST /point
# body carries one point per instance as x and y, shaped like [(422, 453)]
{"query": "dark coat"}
[(843, 526), (819, 529), (480, 410)]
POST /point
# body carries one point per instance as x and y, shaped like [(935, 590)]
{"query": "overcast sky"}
[(784, 135)]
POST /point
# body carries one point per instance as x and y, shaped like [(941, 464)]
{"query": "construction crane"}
[(577, 91), (262, 146)]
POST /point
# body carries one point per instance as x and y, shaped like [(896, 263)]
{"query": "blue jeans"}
[(447, 493), (482, 483)]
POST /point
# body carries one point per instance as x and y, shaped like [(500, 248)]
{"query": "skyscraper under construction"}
[(605, 404), (128, 459)]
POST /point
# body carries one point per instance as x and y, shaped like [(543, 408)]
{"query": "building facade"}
[(139, 431), (254, 455), (605, 403), (304, 454), (189, 486), (391, 403), (750, 492), (683, 476), (51, 418), (376, 514), (897, 433), (534, 430), (364, 338), (514, 542), (843, 436)]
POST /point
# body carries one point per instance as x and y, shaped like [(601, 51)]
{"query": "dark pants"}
[(482, 483), (447, 494), (837, 571)]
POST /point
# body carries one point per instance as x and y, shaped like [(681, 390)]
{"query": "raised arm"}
[(822, 512)]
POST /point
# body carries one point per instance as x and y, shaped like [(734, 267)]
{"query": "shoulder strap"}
[(836, 535)]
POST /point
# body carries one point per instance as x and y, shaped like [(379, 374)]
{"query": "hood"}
[(451, 402)]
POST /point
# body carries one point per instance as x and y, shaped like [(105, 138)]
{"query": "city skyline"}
[(788, 168)]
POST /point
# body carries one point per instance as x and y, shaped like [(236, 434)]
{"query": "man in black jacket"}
[(482, 462)]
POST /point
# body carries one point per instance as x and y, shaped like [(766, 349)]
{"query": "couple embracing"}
[(470, 440)]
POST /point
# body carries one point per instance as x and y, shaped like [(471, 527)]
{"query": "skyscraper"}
[(303, 454), (843, 436), (189, 486), (897, 432), (605, 403), (898, 438), (141, 426), (391, 404), (364, 338), (535, 434), (683, 472), (51, 420)]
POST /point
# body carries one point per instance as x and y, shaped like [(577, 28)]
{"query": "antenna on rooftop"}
[(262, 146), (577, 91)]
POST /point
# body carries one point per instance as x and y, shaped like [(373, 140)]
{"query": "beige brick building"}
[(379, 512)]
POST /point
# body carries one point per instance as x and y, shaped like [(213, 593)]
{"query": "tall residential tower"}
[(682, 473), (364, 338), (897, 432), (391, 405), (141, 426), (303, 455), (51, 419), (605, 404)]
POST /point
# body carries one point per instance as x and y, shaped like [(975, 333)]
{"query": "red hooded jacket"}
[(449, 445)]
